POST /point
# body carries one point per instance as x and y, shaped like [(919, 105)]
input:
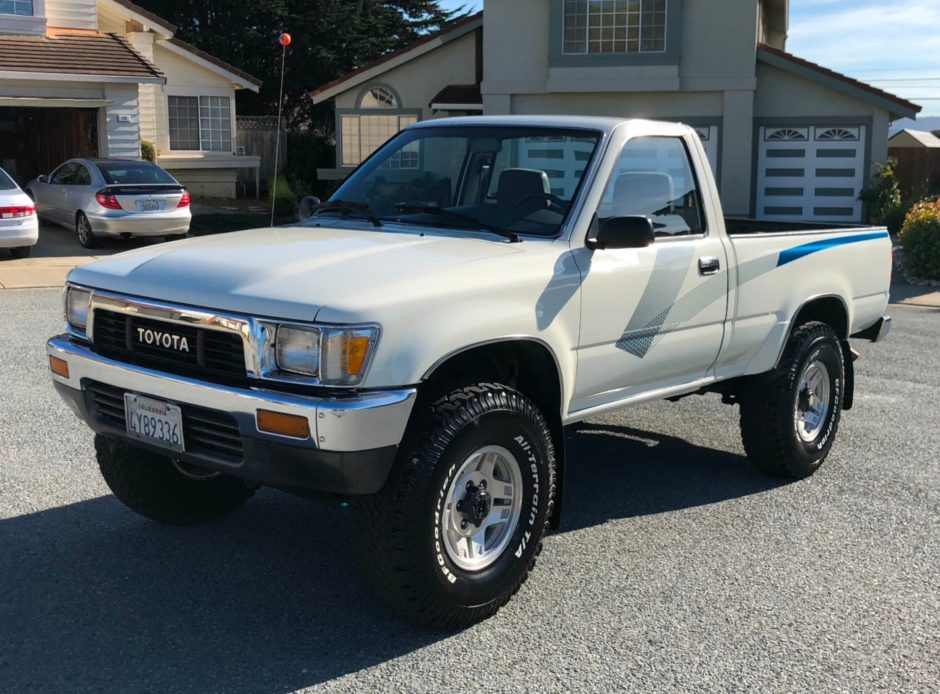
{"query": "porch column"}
[(119, 123), (142, 41)]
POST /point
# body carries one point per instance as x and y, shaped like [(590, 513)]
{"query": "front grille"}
[(207, 433), (211, 353)]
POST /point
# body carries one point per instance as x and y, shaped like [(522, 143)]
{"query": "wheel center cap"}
[(806, 400), (476, 504)]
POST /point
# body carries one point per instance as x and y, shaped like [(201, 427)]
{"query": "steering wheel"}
[(553, 201)]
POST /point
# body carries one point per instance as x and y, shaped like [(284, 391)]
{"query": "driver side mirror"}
[(307, 205), (621, 232), (43, 179)]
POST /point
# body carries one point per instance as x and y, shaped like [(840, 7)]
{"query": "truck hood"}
[(288, 272)]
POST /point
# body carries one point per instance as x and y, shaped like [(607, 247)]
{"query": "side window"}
[(654, 178), (82, 177), (63, 175)]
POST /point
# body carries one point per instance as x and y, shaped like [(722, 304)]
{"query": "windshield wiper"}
[(468, 220), (347, 209)]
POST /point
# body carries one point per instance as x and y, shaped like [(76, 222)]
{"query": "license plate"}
[(149, 205), (154, 421)]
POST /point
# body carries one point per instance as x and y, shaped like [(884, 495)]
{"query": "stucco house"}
[(95, 77), (787, 139)]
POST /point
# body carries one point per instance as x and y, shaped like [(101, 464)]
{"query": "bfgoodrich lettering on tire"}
[(458, 525), (789, 416)]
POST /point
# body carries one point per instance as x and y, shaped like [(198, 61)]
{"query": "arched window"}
[(364, 130), (787, 134), (378, 97)]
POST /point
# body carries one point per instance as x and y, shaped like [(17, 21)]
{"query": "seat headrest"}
[(642, 193), (516, 184)]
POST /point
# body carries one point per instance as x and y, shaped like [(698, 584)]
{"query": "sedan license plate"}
[(149, 205), (154, 421)]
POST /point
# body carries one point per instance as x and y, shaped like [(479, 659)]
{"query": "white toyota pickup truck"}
[(417, 344)]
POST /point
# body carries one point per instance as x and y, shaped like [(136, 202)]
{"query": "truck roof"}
[(606, 125)]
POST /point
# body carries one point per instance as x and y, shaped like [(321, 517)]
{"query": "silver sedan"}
[(102, 198)]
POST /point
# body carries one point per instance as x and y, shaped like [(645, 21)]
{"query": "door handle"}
[(708, 266)]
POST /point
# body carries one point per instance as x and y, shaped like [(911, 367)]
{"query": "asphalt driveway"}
[(679, 568)]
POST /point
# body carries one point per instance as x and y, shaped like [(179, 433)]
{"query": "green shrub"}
[(306, 153), (285, 203), (885, 203), (148, 152), (920, 238)]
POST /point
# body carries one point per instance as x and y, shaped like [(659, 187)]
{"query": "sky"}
[(892, 45)]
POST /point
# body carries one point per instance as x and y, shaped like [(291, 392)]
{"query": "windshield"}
[(132, 172), (518, 180), (6, 183)]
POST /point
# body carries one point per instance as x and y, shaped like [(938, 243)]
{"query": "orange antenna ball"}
[(284, 39)]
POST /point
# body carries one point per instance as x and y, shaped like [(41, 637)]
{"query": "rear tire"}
[(151, 485), (476, 466), (21, 252), (86, 236), (790, 416)]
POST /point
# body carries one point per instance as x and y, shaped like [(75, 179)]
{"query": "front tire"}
[(86, 236), (457, 528), (154, 487), (789, 416)]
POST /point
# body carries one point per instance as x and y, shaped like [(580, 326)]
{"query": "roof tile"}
[(107, 55)]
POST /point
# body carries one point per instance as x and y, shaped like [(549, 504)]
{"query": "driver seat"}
[(516, 184)]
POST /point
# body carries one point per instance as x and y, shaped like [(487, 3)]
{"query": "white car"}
[(19, 225), (109, 198), (419, 343)]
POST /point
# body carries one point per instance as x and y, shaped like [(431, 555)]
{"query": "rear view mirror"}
[(621, 232), (307, 206)]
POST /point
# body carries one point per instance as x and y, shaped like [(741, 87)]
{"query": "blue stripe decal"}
[(791, 254)]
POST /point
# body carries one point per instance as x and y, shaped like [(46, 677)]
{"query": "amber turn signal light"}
[(283, 424), (59, 367)]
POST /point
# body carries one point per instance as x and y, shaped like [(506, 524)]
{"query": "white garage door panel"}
[(810, 173)]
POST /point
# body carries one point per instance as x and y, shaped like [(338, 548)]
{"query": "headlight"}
[(329, 356), (297, 350), (345, 354), (76, 308)]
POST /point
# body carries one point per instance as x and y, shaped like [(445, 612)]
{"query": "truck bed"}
[(740, 226)]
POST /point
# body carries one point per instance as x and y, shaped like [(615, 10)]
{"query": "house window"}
[(378, 97), (24, 8), (202, 123), (364, 133), (614, 26)]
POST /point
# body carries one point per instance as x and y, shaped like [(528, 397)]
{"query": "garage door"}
[(810, 173)]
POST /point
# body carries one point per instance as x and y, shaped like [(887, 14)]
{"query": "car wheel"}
[(789, 416), (457, 528), (161, 490), (21, 252), (86, 236)]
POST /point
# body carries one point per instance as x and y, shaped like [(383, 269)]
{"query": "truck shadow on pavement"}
[(94, 598), (620, 472)]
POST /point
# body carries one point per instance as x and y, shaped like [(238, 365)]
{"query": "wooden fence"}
[(918, 171), (258, 136)]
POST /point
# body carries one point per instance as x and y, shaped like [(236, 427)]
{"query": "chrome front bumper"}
[(340, 427)]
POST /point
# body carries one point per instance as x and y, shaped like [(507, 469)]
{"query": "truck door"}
[(652, 317)]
